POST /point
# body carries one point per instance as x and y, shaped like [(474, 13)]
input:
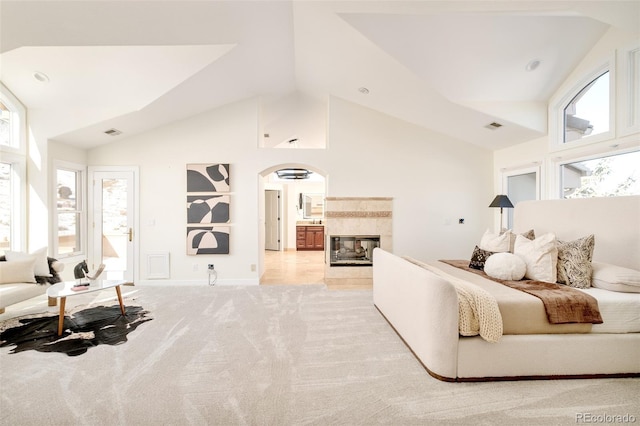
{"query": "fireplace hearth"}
[(352, 250), (354, 227)]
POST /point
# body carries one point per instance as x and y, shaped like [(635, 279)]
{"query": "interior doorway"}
[(283, 208), (272, 219)]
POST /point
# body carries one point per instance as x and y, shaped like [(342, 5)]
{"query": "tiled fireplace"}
[(354, 226)]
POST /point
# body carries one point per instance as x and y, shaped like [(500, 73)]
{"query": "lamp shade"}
[(501, 201)]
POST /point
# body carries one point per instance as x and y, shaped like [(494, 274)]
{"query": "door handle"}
[(130, 234)]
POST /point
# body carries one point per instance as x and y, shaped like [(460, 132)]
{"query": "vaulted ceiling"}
[(450, 66)]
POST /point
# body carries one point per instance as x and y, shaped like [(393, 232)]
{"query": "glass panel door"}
[(113, 233)]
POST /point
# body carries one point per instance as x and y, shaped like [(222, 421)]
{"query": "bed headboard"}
[(615, 222)]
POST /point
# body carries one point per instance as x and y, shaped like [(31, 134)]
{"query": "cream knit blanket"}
[(478, 312)]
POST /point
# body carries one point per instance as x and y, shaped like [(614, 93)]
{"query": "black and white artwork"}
[(207, 177), (207, 208), (207, 240), (208, 201)]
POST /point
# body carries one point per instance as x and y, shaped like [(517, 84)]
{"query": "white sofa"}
[(422, 307), (19, 291)]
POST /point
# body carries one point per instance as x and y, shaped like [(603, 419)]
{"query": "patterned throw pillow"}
[(478, 258), (574, 262)]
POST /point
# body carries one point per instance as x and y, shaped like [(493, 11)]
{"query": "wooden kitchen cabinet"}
[(309, 237)]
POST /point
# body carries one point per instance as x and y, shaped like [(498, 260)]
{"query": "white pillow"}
[(497, 243), (17, 271), (41, 267), (615, 278), (505, 266), (540, 255)]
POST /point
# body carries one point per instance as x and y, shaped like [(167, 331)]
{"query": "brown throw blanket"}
[(563, 304)]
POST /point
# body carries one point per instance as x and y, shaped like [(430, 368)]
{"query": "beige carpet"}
[(277, 355)]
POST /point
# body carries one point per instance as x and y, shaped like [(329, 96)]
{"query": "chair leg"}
[(53, 301)]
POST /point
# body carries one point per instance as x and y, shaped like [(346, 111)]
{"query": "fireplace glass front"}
[(352, 250)]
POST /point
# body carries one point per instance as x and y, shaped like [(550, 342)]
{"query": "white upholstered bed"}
[(422, 304)]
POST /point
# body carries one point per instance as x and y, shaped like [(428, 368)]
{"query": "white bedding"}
[(523, 313), (620, 311), (478, 310)]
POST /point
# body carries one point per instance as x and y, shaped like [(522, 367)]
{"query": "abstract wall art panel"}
[(207, 177), (207, 240), (207, 208), (208, 201)]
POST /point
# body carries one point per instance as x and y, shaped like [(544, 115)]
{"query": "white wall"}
[(434, 181), (37, 186)]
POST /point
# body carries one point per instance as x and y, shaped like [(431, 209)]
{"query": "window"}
[(9, 124), (629, 95), (70, 215), (633, 58), (520, 184), (5, 125), (12, 119), (584, 112), (12, 172), (12, 202), (588, 112), (610, 176), (6, 196)]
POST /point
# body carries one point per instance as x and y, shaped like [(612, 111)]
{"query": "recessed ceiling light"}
[(41, 77), (532, 65), (363, 90)]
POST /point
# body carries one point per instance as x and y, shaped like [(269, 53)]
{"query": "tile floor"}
[(293, 267)]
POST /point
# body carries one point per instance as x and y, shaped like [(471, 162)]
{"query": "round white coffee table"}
[(71, 288)]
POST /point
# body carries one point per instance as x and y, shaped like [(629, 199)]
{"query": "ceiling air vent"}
[(113, 132), (493, 126)]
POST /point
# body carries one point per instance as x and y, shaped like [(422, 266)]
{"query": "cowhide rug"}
[(84, 328)]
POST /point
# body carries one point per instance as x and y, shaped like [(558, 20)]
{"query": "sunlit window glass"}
[(6, 137), (69, 215), (588, 112), (5, 206), (634, 87), (616, 175)]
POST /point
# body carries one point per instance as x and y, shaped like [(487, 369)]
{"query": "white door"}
[(112, 222), (272, 219)]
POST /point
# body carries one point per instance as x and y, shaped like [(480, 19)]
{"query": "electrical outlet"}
[(195, 267), (210, 267), (253, 267)]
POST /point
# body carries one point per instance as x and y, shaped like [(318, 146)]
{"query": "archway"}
[(287, 264)]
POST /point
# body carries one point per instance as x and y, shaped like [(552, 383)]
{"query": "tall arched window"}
[(588, 112)]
